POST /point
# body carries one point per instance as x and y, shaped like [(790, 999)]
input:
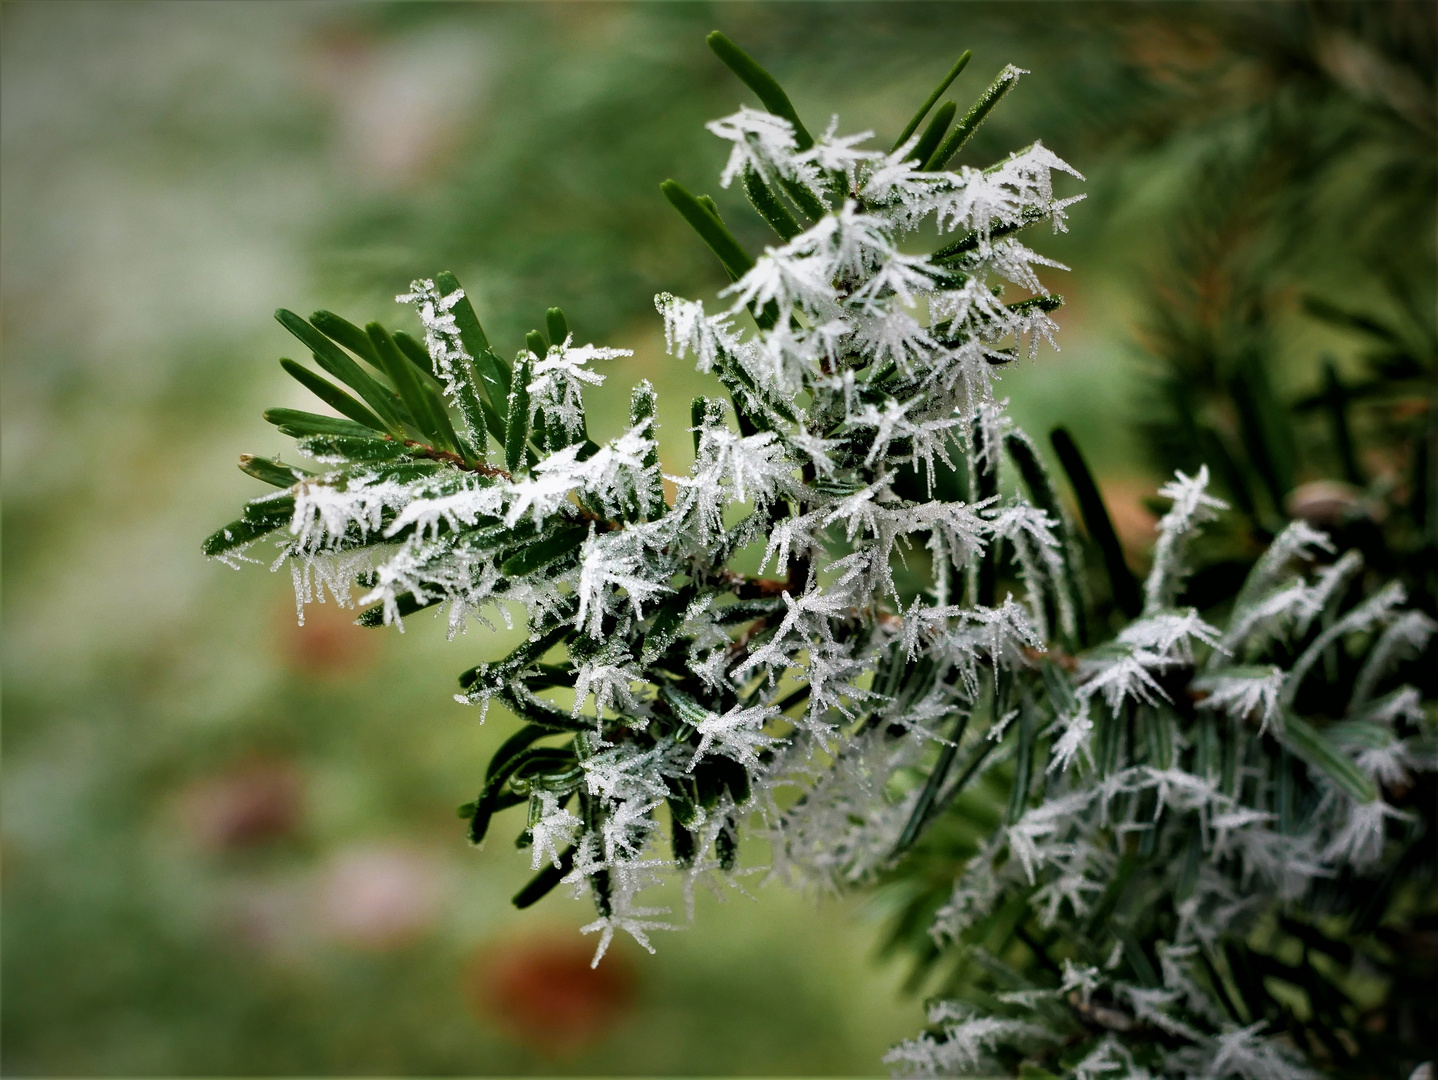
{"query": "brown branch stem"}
[(436, 454)]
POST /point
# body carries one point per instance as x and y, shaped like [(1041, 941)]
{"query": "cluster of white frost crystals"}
[(1206, 786), (876, 362)]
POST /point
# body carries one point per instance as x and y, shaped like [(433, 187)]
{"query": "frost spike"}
[(761, 82), (1002, 84), (1096, 521), (332, 395), (918, 117)]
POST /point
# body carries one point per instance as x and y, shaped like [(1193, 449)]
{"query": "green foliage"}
[(1289, 434), (113, 927), (1143, 751)]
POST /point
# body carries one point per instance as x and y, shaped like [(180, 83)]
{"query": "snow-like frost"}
[(853, 363)]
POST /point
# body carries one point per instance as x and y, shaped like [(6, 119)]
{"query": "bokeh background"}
[(229, 841)]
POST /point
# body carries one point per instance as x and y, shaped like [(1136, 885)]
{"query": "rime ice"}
[(836, 711)]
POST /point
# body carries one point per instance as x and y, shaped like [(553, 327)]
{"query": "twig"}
[(436, 454)]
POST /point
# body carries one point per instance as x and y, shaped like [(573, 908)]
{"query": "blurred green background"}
[(229, 842)]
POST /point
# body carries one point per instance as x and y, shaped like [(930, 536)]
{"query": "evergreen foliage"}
[(1307, 184), (1127, 806)]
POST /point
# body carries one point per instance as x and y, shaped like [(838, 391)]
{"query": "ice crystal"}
[(839, 709)]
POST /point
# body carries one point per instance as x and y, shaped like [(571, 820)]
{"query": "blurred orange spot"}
[(252, 803), (329, 644), (544, 994)]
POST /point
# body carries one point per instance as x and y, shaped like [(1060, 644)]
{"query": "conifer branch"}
[(1116, 795)]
